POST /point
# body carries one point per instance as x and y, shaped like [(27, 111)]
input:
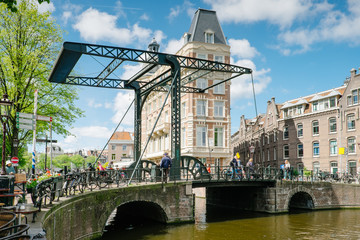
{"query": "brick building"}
[(121, 147), (308, 131), (205, 118)]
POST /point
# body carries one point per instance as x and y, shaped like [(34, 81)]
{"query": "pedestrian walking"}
[(165, 166)]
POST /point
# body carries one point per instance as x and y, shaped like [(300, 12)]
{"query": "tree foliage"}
[(29, 44), (11, 4)]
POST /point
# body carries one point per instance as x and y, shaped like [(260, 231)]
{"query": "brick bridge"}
[(84, 216)]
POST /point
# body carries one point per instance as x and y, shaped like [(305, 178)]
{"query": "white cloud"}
[(187, 6), (173, 46), (66, 16), (144, 17), (119, 9), (46, 7), (122, 102), (91, 131), (94, 25), (279, 12), (333, 26), (241, 87), (108, 105), (70, 139), (174, 12), (92, 103), (241, 48), (130, 70)]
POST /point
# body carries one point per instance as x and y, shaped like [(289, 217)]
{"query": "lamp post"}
[(252, 150), (5, 107)]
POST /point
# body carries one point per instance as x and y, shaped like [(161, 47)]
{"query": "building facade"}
[(310, 132), (121, 147), (205, 117)]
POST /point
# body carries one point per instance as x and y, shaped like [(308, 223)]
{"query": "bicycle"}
[(228, 174), (99, 179)]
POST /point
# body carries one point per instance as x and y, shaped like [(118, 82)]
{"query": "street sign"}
[(43, 118), (24, 120), (15, 160), (46, 140), (24, 115), (24, 126)]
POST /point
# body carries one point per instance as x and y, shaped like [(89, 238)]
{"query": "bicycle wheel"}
[(102, 180), (226, 174), (82, 185)]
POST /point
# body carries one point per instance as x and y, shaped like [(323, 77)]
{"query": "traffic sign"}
[(24, 120), (24, 115), (24, 126), (15, 160), (43, 118)]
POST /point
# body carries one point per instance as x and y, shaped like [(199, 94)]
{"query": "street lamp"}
[(252, 150), (5, 108)]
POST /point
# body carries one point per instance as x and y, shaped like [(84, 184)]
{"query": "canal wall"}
[(285, 195), (84, 216)]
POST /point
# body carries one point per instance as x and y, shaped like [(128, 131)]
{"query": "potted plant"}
[(31, 184)]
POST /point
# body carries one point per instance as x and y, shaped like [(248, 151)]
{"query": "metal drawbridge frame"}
[(72, 51)]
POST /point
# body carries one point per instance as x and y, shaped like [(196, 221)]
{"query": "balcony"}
[(160, 129)]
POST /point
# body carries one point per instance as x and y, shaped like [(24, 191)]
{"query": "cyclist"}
[(234, 165)]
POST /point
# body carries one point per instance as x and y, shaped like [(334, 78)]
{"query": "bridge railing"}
[(80, 182)]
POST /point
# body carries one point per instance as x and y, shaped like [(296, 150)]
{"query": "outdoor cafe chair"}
[(7, 219), (15, 230)]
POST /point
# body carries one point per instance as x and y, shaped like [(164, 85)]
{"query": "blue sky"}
[(295, 47)]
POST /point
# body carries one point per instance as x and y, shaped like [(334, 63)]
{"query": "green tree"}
[(29, 44), (61, 161), (11, 4), (78, 161)]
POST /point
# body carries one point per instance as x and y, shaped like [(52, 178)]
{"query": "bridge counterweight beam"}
[(175, 117)]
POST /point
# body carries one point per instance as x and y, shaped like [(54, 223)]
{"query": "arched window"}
[(332, 125), (286, 132), (333, 147), (315, 127), (299, 130), (316, 149), (350, 121), (351, 145), (286, 151)]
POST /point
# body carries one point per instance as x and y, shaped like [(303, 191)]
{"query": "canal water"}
[(220, 224)]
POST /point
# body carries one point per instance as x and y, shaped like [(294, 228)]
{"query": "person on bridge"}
[(234, 165), (250, 168), (287, 170), (165, 166)]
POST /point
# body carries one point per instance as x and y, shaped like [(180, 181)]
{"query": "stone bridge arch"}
[(84, 216), (301, 193), (135, 212)]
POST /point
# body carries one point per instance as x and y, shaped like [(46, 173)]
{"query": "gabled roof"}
[(206, 21), (122, 136)]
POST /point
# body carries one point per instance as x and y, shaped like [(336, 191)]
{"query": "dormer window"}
[(209, 37)]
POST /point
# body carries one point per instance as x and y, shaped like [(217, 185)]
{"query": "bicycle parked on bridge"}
[(228, 173)]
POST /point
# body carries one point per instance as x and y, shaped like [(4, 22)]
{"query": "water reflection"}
[(215, 224)]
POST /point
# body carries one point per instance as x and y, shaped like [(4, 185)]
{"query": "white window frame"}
[(313, 127), (286, 148), (298, 150), (209, 37), (219, 131), (219, 89), (219, 108), (331, 123), (286, 132), (316, 153), (300, 130), (350, 121), (201, 106), (201, 136), (333, 147), (351, 144)]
